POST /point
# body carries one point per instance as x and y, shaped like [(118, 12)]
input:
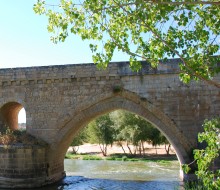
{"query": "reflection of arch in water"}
[(126, 101), (9, 115)]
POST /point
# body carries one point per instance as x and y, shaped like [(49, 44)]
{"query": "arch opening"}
[(22, 119), (125, 101), (140, 150), (124, 133), (151, 114), (12, 114)]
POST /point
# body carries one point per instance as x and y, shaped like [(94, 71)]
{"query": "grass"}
[(122, 157), (82, 157)]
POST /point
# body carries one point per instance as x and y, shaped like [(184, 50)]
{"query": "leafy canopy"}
[(133, 128), (205, 158), (101, 131), (151, 30)]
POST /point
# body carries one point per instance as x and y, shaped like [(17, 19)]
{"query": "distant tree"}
[(140, 130), (125, 131), (101, 131), (79, 139), (155, 137), (122, 134), (124, 127), (166, 143), (135, 130)]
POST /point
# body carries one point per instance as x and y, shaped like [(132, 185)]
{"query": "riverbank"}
[(122, 157), (92, 152)]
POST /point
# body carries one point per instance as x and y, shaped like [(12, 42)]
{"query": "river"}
[(118, 175)]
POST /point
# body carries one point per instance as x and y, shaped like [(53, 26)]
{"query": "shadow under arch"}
[(9, 115), (127, 101)]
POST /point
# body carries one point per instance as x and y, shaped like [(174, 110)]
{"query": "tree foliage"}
[(124, 127), (136, 130), (144, 29), (79, 139), (101, 131), (205, 158)]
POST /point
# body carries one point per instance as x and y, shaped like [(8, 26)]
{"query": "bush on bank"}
[(9, 137)]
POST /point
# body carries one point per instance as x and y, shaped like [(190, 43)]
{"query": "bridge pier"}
[(24, 166)]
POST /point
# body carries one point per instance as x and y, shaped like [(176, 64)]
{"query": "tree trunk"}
[(135, 150), (103, 149), (167, 149), (143, 148), (106, 150), (140, 148), (129, 148), (75, 150), (122, 147)]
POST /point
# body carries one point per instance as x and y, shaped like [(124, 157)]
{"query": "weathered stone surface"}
[(22, 166), (60, 100)]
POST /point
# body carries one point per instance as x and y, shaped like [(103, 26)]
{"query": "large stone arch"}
[(127, 101)]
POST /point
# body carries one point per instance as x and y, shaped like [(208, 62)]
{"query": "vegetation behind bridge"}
[(124, 129)]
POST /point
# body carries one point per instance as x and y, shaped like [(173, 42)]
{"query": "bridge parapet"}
[(35, 74)]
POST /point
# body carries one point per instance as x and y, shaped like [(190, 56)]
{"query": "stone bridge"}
[(60, 100)]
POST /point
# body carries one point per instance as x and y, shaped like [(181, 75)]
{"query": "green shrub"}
[(124, 158), (205, 158), (133, 159), (9, 137), (89, 157), (110, 158)]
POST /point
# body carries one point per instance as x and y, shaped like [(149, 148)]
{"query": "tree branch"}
[(211, 82), (183, 3), (165, 3)]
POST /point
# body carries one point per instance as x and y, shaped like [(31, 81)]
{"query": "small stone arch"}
[(9, 115)]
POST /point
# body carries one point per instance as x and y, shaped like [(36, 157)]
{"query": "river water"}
[(118, 175)]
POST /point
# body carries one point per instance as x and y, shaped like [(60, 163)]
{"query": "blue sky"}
[(25, 42)]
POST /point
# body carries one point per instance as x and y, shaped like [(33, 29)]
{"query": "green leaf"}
[(153, 31)]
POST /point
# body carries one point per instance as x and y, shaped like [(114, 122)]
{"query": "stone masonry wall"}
[(22, 166)]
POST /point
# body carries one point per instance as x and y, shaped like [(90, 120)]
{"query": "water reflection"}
[(82, 183)]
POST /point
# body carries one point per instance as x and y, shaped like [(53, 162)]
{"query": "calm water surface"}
[(118, 175)]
